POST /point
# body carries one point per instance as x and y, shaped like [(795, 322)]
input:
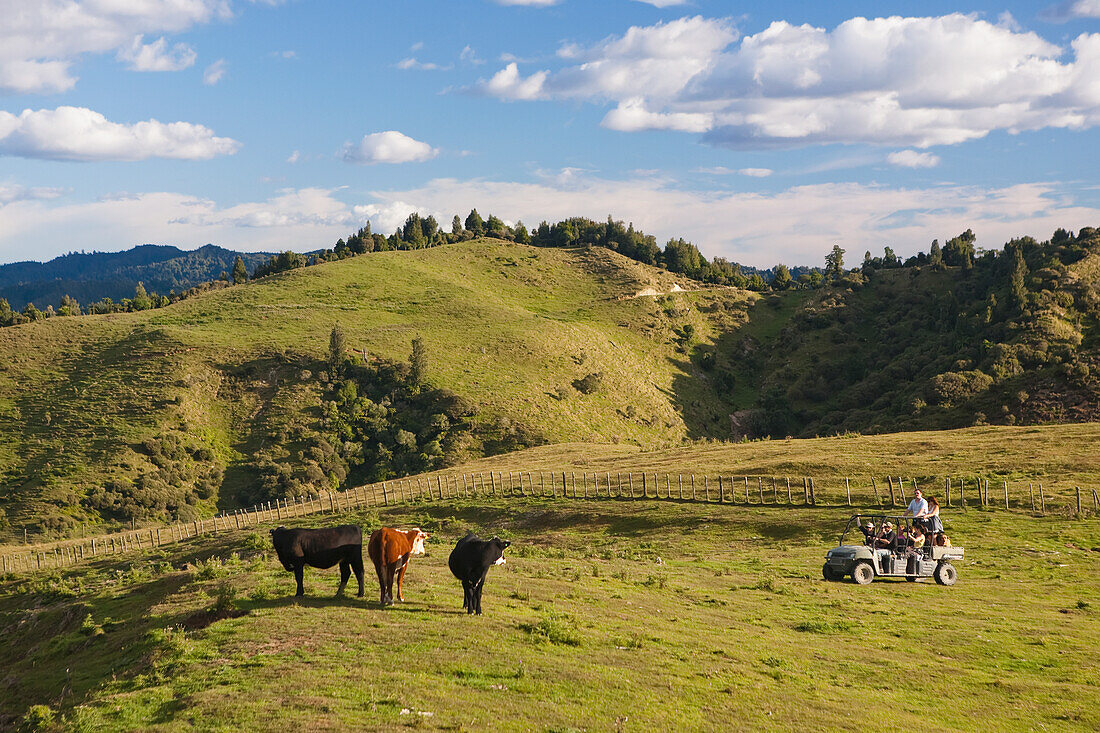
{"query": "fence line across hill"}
[(745, 490)]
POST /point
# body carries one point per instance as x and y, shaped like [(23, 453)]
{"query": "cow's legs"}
[(298, 578), (401, 580), (345, 573), (480, 587), (381, 583), (466, 594), (357, 565), (387, 595)]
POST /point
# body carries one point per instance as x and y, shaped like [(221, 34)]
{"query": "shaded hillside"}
[(1011, 338), (233, 395), (92, 277)]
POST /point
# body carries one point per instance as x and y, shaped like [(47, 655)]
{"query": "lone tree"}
[(418, 363), (336, 346), (782, 279), (834, 263), (475, 224), (240, 272)]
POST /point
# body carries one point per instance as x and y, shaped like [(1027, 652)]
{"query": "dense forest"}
[(952, 338), (99, 281)]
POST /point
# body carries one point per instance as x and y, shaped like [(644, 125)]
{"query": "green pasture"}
[(609, 615)]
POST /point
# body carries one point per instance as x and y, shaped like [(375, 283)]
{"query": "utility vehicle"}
[(856, 557)]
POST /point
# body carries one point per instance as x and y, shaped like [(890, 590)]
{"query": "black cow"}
[(321, 548), (470, 561)]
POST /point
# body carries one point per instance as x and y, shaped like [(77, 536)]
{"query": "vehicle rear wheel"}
[(945, 574), (863, 573), (830, 574)]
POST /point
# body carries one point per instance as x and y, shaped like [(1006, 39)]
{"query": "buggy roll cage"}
[(900, 523)]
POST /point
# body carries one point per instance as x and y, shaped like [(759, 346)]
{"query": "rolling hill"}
[(90, 277), (307, 379)]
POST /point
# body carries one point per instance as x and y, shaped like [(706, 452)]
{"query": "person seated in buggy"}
[(886, 541)]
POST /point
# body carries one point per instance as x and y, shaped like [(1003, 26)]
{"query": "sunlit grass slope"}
[(609, 615), (507, 326)]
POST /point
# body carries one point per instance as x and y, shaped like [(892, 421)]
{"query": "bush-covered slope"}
[(1012, 339), (232, 396)]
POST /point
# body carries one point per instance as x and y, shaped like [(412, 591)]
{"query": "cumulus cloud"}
[(891, 81), (214, 73), (41, 40), (156, 56), (390, 146), (78, 133), (913, 159), (12, 192), (413, 63)]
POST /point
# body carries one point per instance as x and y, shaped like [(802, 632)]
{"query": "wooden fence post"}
[(848, 490), (790, 500), (891, 482), (947, 489), (775, 492), (805, 491), (1078, 501), (721, 493), (1042, 500), (1006, 495), (760, 489), (630, 483), (1095, 500), (746, 489)]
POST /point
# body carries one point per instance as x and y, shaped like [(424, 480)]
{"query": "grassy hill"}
[(234, 396), (609, 614), (161, 413)]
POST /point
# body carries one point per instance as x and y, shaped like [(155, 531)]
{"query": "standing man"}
[(917, 508)]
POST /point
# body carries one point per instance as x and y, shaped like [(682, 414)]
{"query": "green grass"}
[(609, 614), (508, 326)]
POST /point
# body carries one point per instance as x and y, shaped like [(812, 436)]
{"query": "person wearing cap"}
[(868, 530), (886, 541)]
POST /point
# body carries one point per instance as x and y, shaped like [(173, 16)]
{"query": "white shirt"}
[(917, 507)]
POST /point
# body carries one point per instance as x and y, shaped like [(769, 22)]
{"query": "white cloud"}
[(12, 192), (1062, 12), (890, 81), (412, 63), (156, 56), (663, 3), (294, 157), (913, 159), (214, 73), (78, 133), (41, 40), (756, 172), (390, 146), (798, 225)]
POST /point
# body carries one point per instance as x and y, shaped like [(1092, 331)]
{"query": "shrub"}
[(953, 387), (38, 718), (589, 384), (553, 629)]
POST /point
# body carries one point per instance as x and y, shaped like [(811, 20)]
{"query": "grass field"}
[(610, 615)]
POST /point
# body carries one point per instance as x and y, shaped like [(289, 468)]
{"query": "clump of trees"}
[(379, 419)]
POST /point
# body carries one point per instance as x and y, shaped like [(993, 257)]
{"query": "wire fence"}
[(884, 494)]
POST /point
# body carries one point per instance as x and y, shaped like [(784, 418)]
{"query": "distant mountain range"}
[(91, 277)]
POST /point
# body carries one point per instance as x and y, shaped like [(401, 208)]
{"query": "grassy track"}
[(609, 615)]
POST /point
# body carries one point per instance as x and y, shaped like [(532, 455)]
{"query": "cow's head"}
[(280, 537), (499, 545), (416, 538)]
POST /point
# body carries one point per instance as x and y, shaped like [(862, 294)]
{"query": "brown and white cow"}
[(390, 550)]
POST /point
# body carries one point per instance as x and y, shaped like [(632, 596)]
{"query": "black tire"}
[(945, 574), (829, 574), (863, 573)]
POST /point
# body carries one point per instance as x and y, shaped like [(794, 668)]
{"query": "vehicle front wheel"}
[(863, 573), (945, 574), (830, 574)]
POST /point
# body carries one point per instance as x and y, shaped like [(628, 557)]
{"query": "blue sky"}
[(764, 132)]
